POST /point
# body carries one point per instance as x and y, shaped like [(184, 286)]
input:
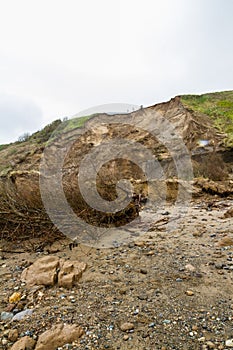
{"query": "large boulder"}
[(42, 272), (49, 270)]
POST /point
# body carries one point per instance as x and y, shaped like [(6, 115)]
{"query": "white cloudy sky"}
[(58, 57)]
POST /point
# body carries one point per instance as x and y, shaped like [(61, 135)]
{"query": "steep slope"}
[(204, 123)]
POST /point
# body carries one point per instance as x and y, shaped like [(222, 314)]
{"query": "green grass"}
[(74, 123), (4, 146), (69, 125), (218, 106)]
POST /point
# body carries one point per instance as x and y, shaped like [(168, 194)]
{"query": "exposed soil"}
[(174, 285), (166, 286)]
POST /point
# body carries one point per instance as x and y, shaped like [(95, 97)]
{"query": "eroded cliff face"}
[(171, 133)]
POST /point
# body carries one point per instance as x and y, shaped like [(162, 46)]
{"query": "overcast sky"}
[(58, 58)]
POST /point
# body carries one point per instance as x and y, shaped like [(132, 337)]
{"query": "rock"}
[(20, 315), (25, 343), (70, 273), (190, 267), (127, 326), (189, 292), (139, 243), (126, 337), (49, 270), (210, 345), (166, 321), (57, 336), (14, 298), (4, 342), (197, 234), (13, 335), (218, 266), (225, 241), (6, 316), (229, 343), (228, 213), (43, 271), (202, 339), (179, 280)]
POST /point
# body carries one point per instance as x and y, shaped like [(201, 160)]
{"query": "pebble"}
[(166, 321), (229, 343), (14, 298), (19, 316), (5, 316), (127, 326), (190, 267), (179, 280), (202, 339), (210, 345), (4, 341), (189, 292), (13, 335), (152, 324)]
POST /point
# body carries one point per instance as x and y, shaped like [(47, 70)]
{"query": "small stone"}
[(197, 234), (25, 343), (127, 326), (143, 271), (20, 315), (189, 292), (166, 321), (218, 266), (14, 298), (140, 244), (210, 345), (6, 316), (4, 341), (202, 339), (13, 335), (190, 267), (152, 324), (150, 253), (229, 343), (126, 337)]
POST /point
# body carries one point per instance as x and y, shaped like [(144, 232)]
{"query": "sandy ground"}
[(173, 283)]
